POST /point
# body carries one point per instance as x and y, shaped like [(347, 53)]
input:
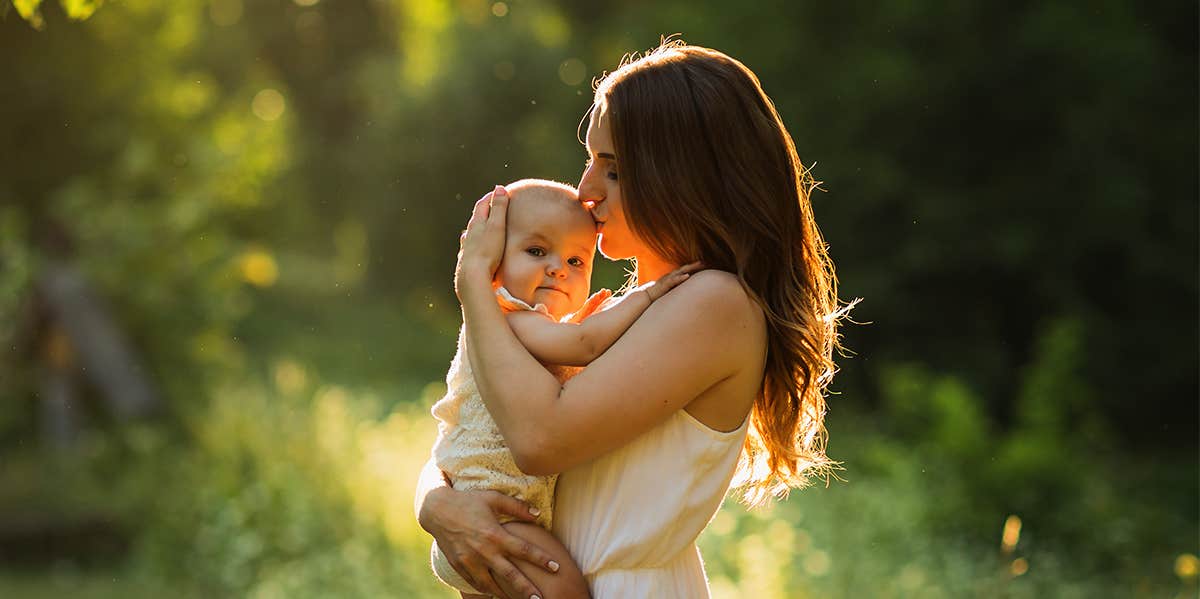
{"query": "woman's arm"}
[(467, 530), (691, 340)]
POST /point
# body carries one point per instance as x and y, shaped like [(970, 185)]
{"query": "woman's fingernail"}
[(534, 511), (553, 566)]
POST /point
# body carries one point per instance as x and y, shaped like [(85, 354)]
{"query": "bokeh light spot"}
[(1187, 566), (268, 104), (551, 29), (258, 268), (1011, 534), (81, 9), (499, 9), (1019, 566), (572, 71), (290, 377), (306, 2)]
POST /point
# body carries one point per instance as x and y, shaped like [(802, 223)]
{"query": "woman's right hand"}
[(481, 245), (468, 531)]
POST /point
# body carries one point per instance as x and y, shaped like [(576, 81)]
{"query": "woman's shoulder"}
[(714, 304), (717, 291)]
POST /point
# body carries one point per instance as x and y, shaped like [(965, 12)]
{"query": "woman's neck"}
[(652, 268)]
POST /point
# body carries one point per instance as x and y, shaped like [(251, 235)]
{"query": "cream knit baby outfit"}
[(471, 451)]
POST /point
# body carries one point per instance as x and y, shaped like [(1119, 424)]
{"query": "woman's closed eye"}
[(611, 173)]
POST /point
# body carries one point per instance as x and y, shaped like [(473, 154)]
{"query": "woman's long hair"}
[(710, 173)]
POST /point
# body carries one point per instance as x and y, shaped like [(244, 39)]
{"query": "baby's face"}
[(548, 250)]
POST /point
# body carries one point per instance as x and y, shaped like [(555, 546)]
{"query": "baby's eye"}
[(535, 251), (576, 261)]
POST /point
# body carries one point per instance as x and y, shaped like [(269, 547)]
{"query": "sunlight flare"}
[(1012, 534)]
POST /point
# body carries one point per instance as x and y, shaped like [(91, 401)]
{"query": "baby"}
[(542, 284)]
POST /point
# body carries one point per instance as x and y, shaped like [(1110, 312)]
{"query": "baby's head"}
[(549, 245)]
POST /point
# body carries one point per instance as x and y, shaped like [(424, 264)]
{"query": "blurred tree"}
[(989, 167)]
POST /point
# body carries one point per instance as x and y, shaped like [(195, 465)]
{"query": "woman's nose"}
[(590, 192)]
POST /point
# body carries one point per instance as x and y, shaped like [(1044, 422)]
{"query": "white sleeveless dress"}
[(631, 517)]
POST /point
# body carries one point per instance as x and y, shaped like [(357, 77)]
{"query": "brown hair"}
[(710, 173)]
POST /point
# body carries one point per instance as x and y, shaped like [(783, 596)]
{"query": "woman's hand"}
[(468, 532), (481, 246), (667, 282)]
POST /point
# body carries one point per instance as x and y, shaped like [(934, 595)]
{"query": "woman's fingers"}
[(475, 223), (479, 577), (469, 533), (481, 245), (497, 567), (665, 283), (506, 575), (498, 213), (502, 504), (515, 546), (479, 216), (483, 241)]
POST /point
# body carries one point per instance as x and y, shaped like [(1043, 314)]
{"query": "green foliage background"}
[(266, 196)]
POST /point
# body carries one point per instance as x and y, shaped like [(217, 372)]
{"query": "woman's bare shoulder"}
[(738, 325), (716, 293)]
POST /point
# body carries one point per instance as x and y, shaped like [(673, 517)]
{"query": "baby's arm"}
[(577, 344)]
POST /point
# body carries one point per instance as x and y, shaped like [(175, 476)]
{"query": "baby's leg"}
[(567, 583)]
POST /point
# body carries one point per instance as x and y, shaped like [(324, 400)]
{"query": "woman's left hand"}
[(481, 246)]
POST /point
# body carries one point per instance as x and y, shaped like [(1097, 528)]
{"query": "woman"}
[(724, 374)]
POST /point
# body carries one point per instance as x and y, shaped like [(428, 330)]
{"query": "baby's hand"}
[(590, 306), (667, 282)]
